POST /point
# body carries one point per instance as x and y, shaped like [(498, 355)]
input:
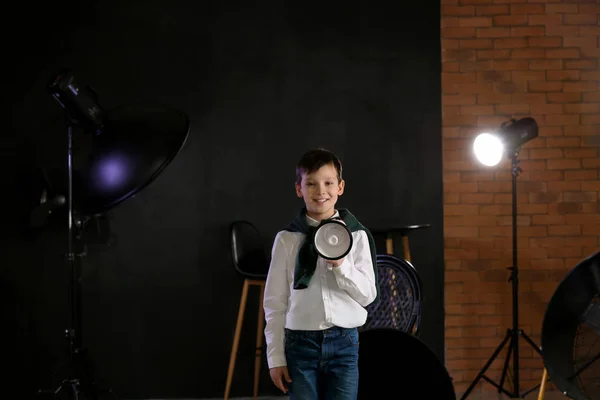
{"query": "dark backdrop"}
[(261, 85)]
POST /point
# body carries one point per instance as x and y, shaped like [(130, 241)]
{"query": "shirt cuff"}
[(277, 361), (343, 269)]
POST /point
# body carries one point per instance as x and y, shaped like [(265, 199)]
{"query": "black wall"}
[(261, 85)]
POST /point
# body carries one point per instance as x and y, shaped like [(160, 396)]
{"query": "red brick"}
[(580, 153), (527, 75), (448, 10), (562, 30), (455, 32), (582, 108), (493, 98), (573, 97), (492, 10), (528, 31), (512, 109), (563, 75), (545, 64), (492, 54), (547, 109), (590, 8), (583, 86), (476, 22), (563, 53), (510, 20), (527, 54), (582, 130), (545, 86), (562, 8), (528, 98), (580, 19), (510, 43), (476, 2), (562, 119), (527, 9), (475, 43), (581, 64), (593, 30), (580, 41), (477, 110), (591, 97), (493, 32), (590, 75), (548, 41), (590, 119), (561, 142), (545, 19)]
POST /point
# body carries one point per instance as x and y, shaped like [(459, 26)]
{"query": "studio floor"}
[(549, 395)]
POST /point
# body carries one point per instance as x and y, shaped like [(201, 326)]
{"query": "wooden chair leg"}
[(236, 338), (260, 326), (389, 245), (543, 385), (406, 248)]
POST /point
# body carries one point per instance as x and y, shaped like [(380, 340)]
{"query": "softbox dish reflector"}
[(135, 145), (572, 323)]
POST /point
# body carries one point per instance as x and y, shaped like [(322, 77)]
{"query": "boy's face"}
[(320, 191)]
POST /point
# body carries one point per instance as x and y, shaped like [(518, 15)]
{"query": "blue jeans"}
[(323, 365)]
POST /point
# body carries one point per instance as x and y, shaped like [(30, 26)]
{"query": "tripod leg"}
[(542, 384), (75, 390), (509, 354), (531, 342), (486, 366)]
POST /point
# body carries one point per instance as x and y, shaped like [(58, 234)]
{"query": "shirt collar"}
[(313, 222)]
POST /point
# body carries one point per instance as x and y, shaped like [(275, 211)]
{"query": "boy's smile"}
[(320, 191)]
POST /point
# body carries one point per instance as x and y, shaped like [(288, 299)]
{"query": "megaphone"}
[(332, 239)]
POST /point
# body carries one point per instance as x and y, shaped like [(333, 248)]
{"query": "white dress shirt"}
[(335, 296)]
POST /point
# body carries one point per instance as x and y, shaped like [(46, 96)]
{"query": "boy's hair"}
[(314, 159)]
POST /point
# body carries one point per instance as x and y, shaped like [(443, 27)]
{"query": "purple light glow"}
[(112, 172)]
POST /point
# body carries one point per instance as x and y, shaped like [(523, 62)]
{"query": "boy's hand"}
[(278, 376), (336, 263)]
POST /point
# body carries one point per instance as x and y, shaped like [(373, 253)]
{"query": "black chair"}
[(399, 305), (400, 288), (250, 260)]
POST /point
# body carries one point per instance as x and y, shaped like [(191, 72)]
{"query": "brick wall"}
[(503, 59)]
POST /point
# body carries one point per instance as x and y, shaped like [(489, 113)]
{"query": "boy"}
[(313, 306)]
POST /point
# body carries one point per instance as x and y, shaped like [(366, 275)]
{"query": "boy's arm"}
[(358, 278), (275, 304)]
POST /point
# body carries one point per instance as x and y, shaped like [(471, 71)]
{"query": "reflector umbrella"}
[(571, 332)]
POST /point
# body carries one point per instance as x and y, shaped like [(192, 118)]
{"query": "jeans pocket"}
[(352, 337), (290, 339)]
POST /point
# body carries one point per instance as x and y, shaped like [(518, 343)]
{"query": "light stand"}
[(127, 149), (78, 381), (514, 333)]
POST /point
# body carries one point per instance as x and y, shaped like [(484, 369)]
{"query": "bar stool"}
[(251, 262), (404, 231)]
